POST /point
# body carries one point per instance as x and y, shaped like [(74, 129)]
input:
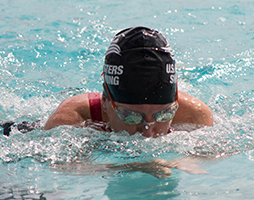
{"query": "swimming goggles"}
[(132, 117)]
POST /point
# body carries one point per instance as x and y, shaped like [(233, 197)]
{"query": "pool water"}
[(51, 50)]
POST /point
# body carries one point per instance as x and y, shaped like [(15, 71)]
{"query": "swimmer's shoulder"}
[(71, 111), (192, 110)]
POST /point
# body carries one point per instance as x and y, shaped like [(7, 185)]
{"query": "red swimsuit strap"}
[(95, 106)]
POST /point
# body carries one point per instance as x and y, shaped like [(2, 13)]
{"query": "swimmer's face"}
[(147, 110)]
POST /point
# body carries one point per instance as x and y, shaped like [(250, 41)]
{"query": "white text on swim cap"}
[(172, 79), (170, 68), (113, 69), (112, 73)]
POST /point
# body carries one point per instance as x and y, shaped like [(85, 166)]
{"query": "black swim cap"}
[(140, 68)]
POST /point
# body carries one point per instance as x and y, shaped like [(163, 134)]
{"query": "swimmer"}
[(140, 94), (140, 91)]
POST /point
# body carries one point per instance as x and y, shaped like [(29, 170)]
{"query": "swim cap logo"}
[(112, 73), (170, 69), (114, 47)]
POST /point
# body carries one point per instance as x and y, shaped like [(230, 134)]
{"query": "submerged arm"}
[(161, 168), (158, 168)]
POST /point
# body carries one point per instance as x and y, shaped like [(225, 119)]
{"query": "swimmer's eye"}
[(132, 118), (128, 116), (166, 114)]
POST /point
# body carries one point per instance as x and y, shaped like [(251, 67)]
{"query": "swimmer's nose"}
[(148, 129), (147, 132)]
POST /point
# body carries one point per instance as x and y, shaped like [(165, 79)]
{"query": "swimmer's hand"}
[(161, 168)]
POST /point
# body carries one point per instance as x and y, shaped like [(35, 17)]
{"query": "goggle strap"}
[(112, 102)]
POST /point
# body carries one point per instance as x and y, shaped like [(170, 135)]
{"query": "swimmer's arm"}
[(71, 111), (161, 168), (192, 110), (158, 168)]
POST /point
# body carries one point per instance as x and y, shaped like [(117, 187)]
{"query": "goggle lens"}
[(128, 116), (166, 114), (132, 117)]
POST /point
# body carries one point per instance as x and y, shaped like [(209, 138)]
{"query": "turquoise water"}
[(50, 50)]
